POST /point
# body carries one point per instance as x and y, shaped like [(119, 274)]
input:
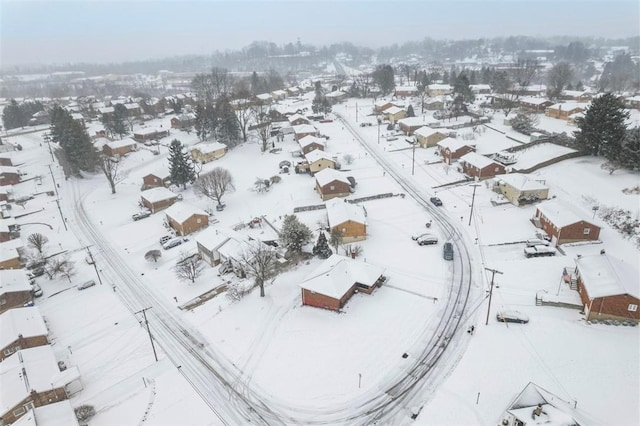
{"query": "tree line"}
[(17, 115)]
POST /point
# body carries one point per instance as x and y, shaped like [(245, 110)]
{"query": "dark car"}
[(86, 285), (447, 251), (512, 316), (435, 200), (140, 215)]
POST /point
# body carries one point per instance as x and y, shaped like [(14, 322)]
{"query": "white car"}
[(427, 239), (174, 242), (531, 242), (539, 251)]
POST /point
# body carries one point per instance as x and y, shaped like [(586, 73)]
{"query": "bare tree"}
[(111, 169), (38, 242), (263, 125), (153, 255), (611, 166), (57, 265), (209, 87), (335, 238), (363, 83), (188, 267), (243, 114), (215, 184), (519, 78), (559, 76), (67, 269), (260, 262), (352, 250)]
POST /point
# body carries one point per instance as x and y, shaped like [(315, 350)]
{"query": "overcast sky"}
[(115, 31)]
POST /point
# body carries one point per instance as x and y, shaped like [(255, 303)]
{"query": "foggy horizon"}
[(57, 32)]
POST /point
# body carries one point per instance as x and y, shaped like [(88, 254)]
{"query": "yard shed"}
[(186, 219), (205, 152), (349, 219), (331, 183), (15, 290), (478, 166), (562, 222), (336, 279), (452, 149), (21, 328), (520, 189), (609, 287), (428, 137), (320, 160), (156, 199)]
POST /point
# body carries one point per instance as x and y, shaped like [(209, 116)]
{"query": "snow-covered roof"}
[(209, 147), (22, 321), (406, 89), (560, 213), (569, 106), (426, 131), (183, 211), (604, 275), (476, 160), (417, 121), (531, 100), (77, 116), (132, 105), (522, 182), (436, 86), (392, 110), (264, 96), (6, 224), (309, 139), (335, 94), (316, 155), (303, 128), (475, 87), (106, 110), (328, 175), (382, 102), (451, 143), (279, 93), (339, 211), (146, 132), (27, 369), (13, 279), (57, 414), (297, 116), (159, 193), (336, 275), (210, 238), (121, 143), (189, 116), (9, 169)]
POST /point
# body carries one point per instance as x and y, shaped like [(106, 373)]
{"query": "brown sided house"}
[(298, 119), (478, 166), (35, 380), (348, 218), (331, 183), (563, 223), (309, 143), (428, 137), (119, 148), (609, 288), (156, 179), (21, 328), (564, 110), (149, 134), (381, 105), (9, 175), (451, 149), (183, 121), (9, 255), (15, 290), (336, 279), (9, 229), (6, 159), (302, 130), (156, 199), (186, 219)]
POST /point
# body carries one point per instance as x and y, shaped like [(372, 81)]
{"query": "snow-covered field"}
[(310, 360)]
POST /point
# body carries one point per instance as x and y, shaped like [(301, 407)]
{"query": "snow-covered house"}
[(156, 179), (302, 130), (31, 378), (279, 95), (119, 148), (410, 124), (56, 414), (632, 101), (609, 287), (393, 114), (520, 189), (319, 160), (404, 91), (205, 152), (563, 223), (21, 328), (439, 89), (149, 134), (562, 111), (480, 88), (348, 218), (186, 219), (381, 105), (480, 167), (451, 149), (428, 137), (156, 199), (537, 406), (331, 183), (309, 143), (9, 229), (15, 290), (336, 279), (9, 175), (264, 98), (298, 119), (534, 103), (183, 121)]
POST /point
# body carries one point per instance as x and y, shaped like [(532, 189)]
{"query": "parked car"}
[(140, 215), (447, 251), (531, 242), (36, 272), (436, 201), (174, 242), (427, 239), (36, 290), (539, 251), (85, 285), (165, 238), (512, 316)]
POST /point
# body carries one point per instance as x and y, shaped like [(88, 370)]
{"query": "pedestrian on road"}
[(175, 298)]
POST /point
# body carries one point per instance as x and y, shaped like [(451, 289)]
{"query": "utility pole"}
[(493, 274), (473, 199), (64, 222), (93, 262), (47, 140), (379, 130), (413, 158), (144, 313), (55, 187), (356, 112)]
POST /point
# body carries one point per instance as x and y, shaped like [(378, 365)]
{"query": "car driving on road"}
[(436, 201), (447, 251)]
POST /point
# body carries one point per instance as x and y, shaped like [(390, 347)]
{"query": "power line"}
[(493, 274), (144, 313)]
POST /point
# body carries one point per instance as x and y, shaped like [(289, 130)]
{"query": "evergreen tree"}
[(461, 88), (320, 104), (603, 127), (227, 130), (73, 139), (410, 112), (205, 121), (383, 76), (12, 117), (180, 167), (630, 153), (295, 234), (321, 249)]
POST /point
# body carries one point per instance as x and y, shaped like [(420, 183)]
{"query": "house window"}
[(3, 301), (198, 220), (29, 406), (19, 411), (8, 351), (332, 188), (586, 231), (632, 307)]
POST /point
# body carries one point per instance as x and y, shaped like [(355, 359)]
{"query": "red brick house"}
[(183, 121), (333, 283), (9, 229), (9, 256), (119, 148), (331, 183), (156, 199), (478, 166), (21, 328), (563, 223), (5, 159), (609, 288), (157, 179), (452, 149), (302, 130), (9, 175), (15, 290), (309, 143), (298, 119), (150, 135), (186, 219)]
